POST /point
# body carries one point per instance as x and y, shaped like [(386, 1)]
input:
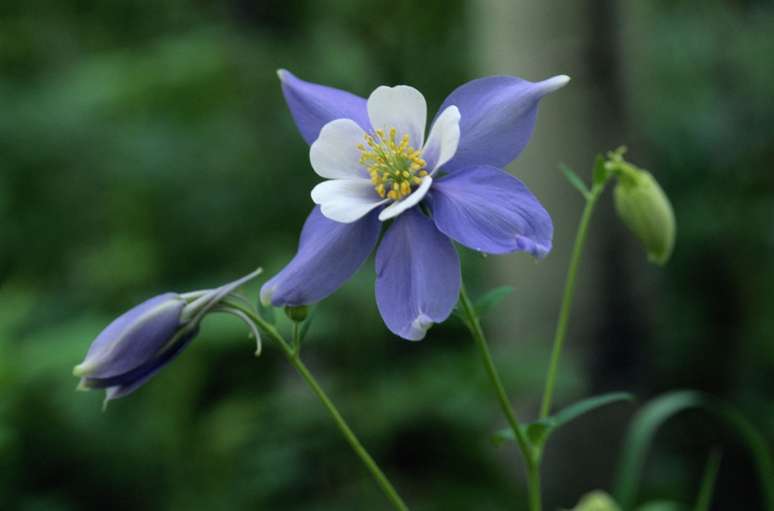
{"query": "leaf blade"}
[(646, 423), (574, 180), (585, 406), (488, 300), (704, 498)]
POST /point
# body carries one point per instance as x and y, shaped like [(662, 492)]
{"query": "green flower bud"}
[(297, 314), (596, 501), (644, 207)]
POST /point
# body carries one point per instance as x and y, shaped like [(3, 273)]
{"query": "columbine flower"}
[(147, 337), (448, 186)]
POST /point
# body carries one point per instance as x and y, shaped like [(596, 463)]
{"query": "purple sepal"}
[(489, 210), (329, 253), (122, 385), (497, 118), (134, 337), (417, 276), (313, 106)]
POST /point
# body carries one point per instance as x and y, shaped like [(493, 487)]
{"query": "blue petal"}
[(329, 253), (133, 338), (313, 106), (497, 118), (417, 276), (124, 384), (489, 210)]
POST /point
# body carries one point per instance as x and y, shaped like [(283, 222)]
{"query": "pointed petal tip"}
[(555, 83), (283, 73)]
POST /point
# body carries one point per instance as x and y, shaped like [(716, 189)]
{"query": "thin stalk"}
[(291, 352), (350, 436), (529, 454), (296, 343), (533, 486), (569, 293), (704, 499)]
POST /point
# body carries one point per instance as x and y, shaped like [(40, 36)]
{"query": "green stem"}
[(569, 292), (704, 499), (531, 457), (349, 435), (296, 343), (533, 485), (291, 352)]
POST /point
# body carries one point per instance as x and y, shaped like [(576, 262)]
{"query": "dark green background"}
[(146, 147)]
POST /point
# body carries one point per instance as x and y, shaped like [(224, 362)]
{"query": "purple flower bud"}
[(144, 339)]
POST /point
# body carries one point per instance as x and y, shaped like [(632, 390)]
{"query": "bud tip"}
[(81, 369)]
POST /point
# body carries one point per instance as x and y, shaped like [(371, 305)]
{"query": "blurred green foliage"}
[(147, 147)]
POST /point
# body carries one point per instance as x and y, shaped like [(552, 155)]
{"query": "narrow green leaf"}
[(704, 499), (647, 422), (575, 410), (640, 435), (574, 180), (491, 298), (538, 431), (502, 436)]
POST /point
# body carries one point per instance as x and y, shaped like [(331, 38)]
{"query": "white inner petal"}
[(401, 107), (398, 207), (335, 154), (346, 200), (443, 139)]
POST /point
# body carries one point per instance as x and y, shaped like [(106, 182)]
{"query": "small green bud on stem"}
[(596, 501), (297, 314), (643, 207)]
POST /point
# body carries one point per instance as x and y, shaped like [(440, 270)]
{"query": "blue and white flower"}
[(379, 166)]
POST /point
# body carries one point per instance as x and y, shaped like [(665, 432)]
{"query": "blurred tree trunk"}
[(536, 40)]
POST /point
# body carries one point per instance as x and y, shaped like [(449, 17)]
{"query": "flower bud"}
[(144, 339), (135, 345), (596, 501), (645, 209)]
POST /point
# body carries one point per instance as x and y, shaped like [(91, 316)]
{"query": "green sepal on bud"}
[(297, 314), (643, 206), (596, 501)]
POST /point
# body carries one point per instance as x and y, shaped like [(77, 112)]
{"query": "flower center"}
[(395, 167)]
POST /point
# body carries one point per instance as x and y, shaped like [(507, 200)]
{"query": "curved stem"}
[(530, 455), (569, 292), (291, 352)]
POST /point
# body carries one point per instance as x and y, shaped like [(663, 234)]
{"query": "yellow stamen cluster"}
[(395, 167)]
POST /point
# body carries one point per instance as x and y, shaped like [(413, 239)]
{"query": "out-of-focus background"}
[(146, 147)]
